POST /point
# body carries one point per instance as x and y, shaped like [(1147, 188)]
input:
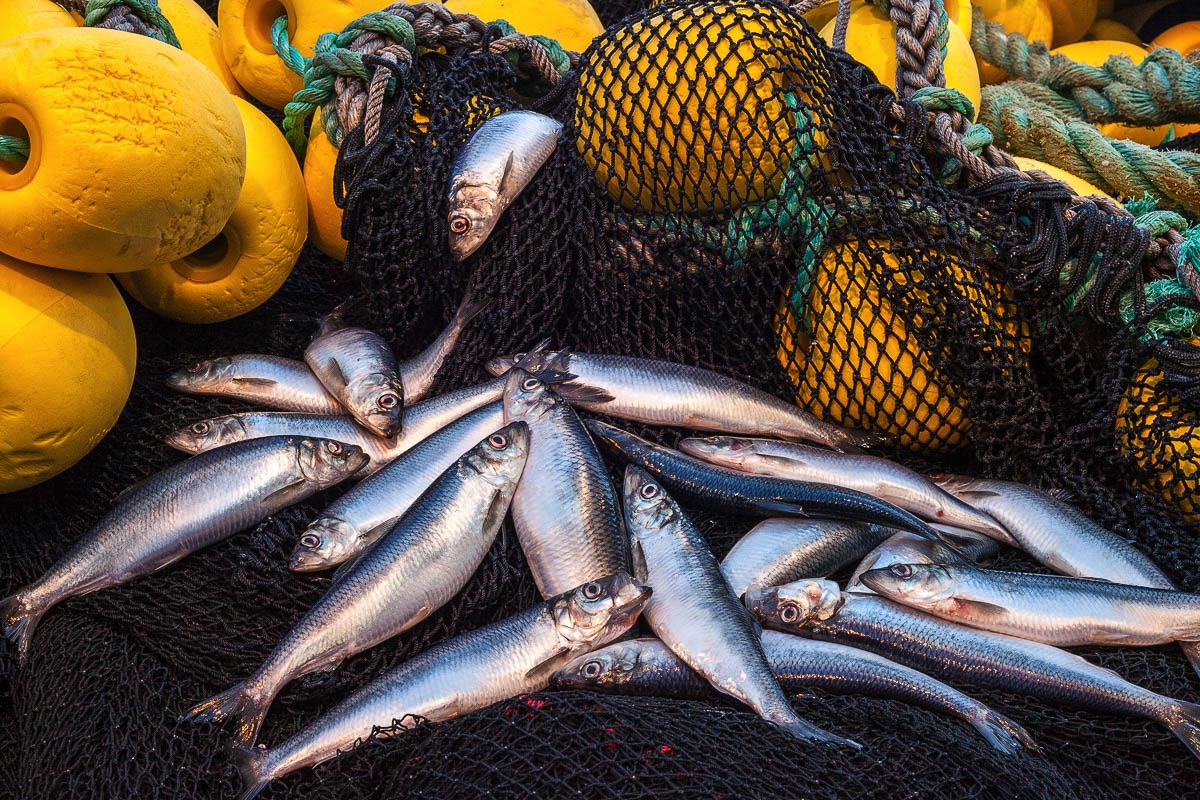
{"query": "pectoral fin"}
[(975, 494), (287, 495), (333, 372), (509, 187), (979, 610), (263, 382), (542, 671), (637, 557)]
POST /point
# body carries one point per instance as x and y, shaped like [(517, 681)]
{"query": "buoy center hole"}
[(12, 127), (210, 254), (260, 16)]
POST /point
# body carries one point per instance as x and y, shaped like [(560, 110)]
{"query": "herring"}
[(357, 367), (492, 168), (869, 474), (665, 393), (782, 550), (693, 611), (357, 519), (906, 548), (472, 671), (1051, 609), (648, 667), (414, 570), (185, 507), (565, 511), (280, 383)]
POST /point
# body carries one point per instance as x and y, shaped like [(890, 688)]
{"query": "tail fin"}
[(250, 761), (1192, 651), (18, 621), (803, 729), (1184, 722), (849, 440), (1002, 733), (233, 702), (468, 310)]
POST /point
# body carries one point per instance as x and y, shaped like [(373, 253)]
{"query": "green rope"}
[(1163, 88), (292, 58), (1117, 167), (14, 149), (156, 25)]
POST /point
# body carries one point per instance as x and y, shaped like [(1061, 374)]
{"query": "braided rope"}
[(1163, 88), (14, 149), (132, 16), (922, 35)]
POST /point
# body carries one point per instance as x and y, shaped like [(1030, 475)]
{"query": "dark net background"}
[(931, 314)]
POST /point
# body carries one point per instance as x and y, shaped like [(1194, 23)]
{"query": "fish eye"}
[(310, 541), (388, 401), (201, 428), (498, 441), (460, 224), (592, 590), (592, 669), (335, 448), (649, 491), (529, 384), (902, 571), (199, 365), (789, 612)]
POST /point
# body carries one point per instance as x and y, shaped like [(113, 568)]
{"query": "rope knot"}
[(942, 98)]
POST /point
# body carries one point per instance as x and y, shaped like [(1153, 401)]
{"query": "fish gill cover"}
[(810, 251)]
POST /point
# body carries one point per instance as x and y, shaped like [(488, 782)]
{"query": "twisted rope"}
[(14, 149), (133, 16), (1163, 88)]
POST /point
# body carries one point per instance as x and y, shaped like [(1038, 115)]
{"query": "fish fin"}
[(544, 669), (348, 566), (1192, 651), (637, 560), (254, 381), (234, 702), (979, 610), (975, 494), (334, 370), (578, 393), (848, 440), (781, 507), (782, 461), (497, 509), (291, 493), (249, 763), (1002, 733), (1185, 724), (507, 186), (468, 310), (803, 729), (18, 623)]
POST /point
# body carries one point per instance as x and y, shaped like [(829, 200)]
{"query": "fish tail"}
[(1192, 651), (1184, 722), (803, 729), (850, 440), (1002, 733), (237, 701), (17, 622), (250, 762), (468, 310)]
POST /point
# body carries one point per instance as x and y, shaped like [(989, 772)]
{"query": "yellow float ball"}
[(136, 150), (67, 357), (1095, 54), (324, 216), (1184, 37), (1078, 185), (1111, 30), (253, 255), (1030, 18), (1071, 19), (684, 110), (198, 36), (27, 16), (571, 23), (871, 40), (245, 27)]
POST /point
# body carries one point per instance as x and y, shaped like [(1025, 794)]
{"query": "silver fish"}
[(281, 383), (185, 507), (475, 670), (357, 519), (565, 511), (694, 612), (648, 667), (908, 548), (992, 660), (491, 169), (878, 476), (781, 550), (1051, 609), (358, 368), (666, 393), (420, 421), (1062, 537), (417, 373), (413, 571)]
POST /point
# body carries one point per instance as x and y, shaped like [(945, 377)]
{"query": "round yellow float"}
[(27, 16), (571, 23), (1095, 54), (136, 150), (198, 36), (1030, 18), (67, 355), (1081, 187), (324, 216), (253, 255), (1071, 19), (1184, 37), (1111, 30)]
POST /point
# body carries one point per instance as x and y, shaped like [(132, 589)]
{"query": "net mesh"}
[(795, 238)]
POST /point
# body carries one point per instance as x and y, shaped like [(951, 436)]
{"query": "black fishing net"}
[(727, 193)]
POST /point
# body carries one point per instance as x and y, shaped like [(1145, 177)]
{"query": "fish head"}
[(648, 507), (915, 585), (473, 214), (325, 462), (379, 400), (326, 542), (500, 458), (526, 397), (728, 451), (538, 361), (794, 605), (207, 434), (599, 611), (203, 375), (608, 667)]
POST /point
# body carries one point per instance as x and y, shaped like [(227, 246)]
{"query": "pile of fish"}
[(437, 477)]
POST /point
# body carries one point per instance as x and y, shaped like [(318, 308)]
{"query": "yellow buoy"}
[(1111, 30), (137, 152), (198, 36), (1081, 187), (1095, 54), (324, 216), (253, 255), (1184, 37), (1030, 18), (27, 16), (1071, 19), (571, 23), (67, 355)]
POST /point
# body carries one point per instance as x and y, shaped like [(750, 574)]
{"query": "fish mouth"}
[(632, 601), (385, 425), (305, 560), (499, 365), (356, 461), (180, 379), (181, 441)]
